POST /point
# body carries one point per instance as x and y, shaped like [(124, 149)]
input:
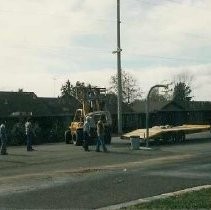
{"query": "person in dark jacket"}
[(101, 134), (3, 137)]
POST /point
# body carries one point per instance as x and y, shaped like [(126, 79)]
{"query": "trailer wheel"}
[(167, 137), (78, 138), (182, 137), (74, 139), (68, 137), (157, 141), (173, 138)]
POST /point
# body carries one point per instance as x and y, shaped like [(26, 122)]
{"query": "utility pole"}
[(119, 70)]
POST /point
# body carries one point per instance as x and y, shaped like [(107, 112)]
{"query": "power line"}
[(166, 1), (64, 52), (60, 48), (97, 18), (153, 3), (173, 1), (156, 4), (171, 58)]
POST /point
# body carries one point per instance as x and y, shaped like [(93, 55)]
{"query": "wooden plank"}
[(158, 130)]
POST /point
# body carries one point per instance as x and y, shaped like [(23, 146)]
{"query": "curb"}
[(153, 198)]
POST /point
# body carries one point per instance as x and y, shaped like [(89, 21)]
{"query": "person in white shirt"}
[(29, 134)]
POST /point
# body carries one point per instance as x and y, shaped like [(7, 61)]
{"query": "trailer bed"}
[(158, 131)]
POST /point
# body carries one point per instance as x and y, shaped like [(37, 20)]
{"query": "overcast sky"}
[(45, 42)]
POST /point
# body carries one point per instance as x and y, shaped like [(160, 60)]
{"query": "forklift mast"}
[(92, 98)]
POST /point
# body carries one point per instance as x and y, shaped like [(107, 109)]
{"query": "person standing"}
[(3, 136), (92, 127), (29, 134), (101, 134), (86, 133)]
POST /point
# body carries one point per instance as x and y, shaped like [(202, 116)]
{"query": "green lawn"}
[(193, 200)]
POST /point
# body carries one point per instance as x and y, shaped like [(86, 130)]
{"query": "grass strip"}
[(191, 200)]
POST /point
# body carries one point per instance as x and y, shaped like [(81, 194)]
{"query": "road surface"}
[(60, 176)]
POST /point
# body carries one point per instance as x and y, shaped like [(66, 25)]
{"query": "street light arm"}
[(155, 86), (147, 111)]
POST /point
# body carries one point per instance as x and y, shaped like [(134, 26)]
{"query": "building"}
[(175, 112)]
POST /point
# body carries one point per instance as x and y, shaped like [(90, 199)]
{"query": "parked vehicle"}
[(93, 105)]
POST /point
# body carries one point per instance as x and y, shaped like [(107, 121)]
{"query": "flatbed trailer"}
[(167, 133)]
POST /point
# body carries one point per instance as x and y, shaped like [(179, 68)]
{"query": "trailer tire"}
[(68, 137), (183, 137), (166, 137), (78, 138)]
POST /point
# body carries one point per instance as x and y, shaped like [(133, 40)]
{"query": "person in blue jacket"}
[(86, 133)]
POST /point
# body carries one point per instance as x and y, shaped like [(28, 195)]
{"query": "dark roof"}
[(27, 103), (61, 105), (21, 102), (140, 106), (173, 106), (17, 103), (200, 105), (190, 106)]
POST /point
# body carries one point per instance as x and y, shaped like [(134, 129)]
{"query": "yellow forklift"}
[(93, 105)]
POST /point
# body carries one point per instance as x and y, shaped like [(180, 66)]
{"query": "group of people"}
[(3, 137), (87, 131)]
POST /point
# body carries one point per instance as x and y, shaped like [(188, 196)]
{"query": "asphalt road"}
[(60, 176)]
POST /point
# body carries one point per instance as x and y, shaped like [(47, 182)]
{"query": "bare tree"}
[(184, 77), (130, 89)]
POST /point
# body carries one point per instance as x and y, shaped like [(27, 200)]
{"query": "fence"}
[(48, 129)]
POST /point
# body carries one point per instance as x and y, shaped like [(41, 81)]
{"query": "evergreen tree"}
[(68, 89), (182, 92)]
